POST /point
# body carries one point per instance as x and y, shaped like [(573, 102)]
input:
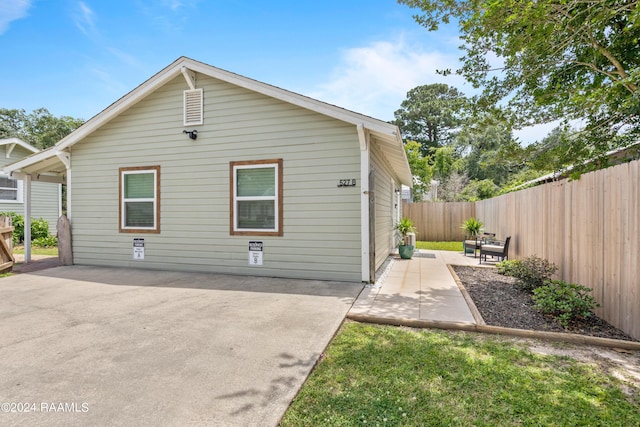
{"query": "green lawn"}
[(385, 375), (440, 246), (35, 250)]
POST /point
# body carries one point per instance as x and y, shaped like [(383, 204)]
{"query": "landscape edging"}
[(498, 330)]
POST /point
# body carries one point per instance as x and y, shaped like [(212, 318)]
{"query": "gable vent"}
[(193, 106)]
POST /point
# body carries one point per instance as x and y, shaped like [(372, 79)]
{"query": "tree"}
[(39, 128), (420, 169), (575, 60), (430, 114), (445, 162), (450, 190), (489, 150), (479, 190)]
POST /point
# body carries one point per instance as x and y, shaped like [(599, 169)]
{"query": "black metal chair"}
[(495, 249), (471, 244), (474, 243)]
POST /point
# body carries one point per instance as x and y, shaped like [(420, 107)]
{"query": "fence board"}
[(589, 227), (6, 244), (437, 221)]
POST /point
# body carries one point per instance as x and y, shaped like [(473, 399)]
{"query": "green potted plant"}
[(472, 227), (405, 226)]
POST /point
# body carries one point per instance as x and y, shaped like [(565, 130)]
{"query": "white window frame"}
[(276, 198), (155, 170), (19, 191)]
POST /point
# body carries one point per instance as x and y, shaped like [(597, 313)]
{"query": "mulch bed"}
[(501, 303)]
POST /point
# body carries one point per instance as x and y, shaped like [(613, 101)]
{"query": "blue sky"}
[(77, 57)]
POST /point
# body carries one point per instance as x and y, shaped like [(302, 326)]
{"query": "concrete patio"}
[(421, 288)]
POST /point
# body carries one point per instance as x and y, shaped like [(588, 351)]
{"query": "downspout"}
[(364, 203), (65, 158)]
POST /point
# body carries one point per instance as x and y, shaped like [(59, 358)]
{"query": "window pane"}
[(256, 214), (6, 194), (256, 182), (139, 214), (138, 186), (8, 183)]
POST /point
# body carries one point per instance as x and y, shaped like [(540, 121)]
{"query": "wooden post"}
[(65, 253)]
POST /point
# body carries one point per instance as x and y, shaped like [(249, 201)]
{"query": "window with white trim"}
[(10, 190), (140, 199), (256, 197)]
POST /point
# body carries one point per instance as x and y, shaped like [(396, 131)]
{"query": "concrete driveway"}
[(102, 346)]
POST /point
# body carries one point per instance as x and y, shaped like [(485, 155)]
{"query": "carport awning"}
[(46, 166)]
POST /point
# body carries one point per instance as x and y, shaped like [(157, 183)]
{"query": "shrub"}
[(533, 272), (17, 221), (39, 227), (507, 267), (45, 242), (566, 302)]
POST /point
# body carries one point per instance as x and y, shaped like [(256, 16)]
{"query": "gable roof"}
[(385, 135), (12, 142)]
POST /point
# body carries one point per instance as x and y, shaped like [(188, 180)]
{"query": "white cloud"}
[(375, 79), (85, 19), (12, 10), (175, 5)]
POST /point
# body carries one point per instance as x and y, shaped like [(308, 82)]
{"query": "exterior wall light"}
[(193, 134)]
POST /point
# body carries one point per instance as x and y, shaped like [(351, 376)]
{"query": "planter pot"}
[(405, 251)]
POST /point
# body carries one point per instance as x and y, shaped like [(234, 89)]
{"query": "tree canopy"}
[(430, 114), (575, 60), (469, 155), (39, 128)]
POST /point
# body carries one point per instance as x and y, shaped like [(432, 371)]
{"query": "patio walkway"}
[(421, 288)]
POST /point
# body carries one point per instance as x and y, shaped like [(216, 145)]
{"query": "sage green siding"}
[(45, 199), (386, 206), (321, 221)]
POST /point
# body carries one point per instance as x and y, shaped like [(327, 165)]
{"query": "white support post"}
[(27, 219), (364, 203)]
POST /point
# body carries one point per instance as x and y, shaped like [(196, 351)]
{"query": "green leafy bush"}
[(17, 221), (39, 227), (45, 242), (566, 302), (508, 266), (533, 272)]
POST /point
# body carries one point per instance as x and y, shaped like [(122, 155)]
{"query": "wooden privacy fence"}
[(6, 244), (439, 222), (590, 228)]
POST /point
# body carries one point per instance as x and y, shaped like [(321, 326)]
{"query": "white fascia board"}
[(119, 106), (293, 98), (35, 158), (393, 149), (18, 141), (185, 65)]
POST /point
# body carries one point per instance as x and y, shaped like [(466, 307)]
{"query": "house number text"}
[(346, 183)]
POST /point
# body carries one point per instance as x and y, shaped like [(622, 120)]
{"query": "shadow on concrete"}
[(36, 264), (188, 280)]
